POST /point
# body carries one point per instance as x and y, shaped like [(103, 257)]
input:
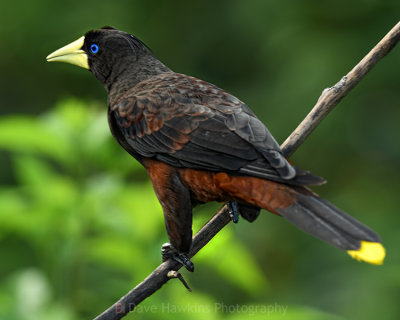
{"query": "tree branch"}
[(160, 275), (331, 96), (328, 100)]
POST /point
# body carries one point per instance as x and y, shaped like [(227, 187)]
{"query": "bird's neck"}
[(130, 74)]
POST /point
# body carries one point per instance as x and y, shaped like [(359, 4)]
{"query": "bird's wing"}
[(187, 122)]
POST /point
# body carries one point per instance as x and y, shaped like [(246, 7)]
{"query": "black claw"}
[(234, 211), (176, 274), (185, 261), (169, 252)]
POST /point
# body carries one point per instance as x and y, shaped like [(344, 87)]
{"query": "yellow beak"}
[(71, 53)]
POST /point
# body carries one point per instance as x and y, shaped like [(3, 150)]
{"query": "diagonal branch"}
[(331, 96), (328, 100), (160, 275)]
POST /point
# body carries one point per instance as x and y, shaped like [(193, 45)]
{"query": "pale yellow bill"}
[(371, 252), (71, 53)]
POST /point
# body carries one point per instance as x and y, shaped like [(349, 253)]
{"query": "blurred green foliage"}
[(76, 219), (79, 222)]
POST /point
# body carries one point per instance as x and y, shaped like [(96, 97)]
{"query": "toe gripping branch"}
[(169, 252), (234, 211)]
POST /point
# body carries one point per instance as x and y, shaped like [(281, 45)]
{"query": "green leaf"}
[(275, 311), (28, 135), (44, 183), (233, 262)]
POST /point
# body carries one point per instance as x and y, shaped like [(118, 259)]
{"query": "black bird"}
[(199, 144)]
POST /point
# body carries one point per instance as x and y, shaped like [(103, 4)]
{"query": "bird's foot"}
[(169, 252), (234, 211)]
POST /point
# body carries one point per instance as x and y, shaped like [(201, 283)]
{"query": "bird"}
[(200, 144)]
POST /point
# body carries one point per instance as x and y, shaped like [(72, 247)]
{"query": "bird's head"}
[(106, 52)]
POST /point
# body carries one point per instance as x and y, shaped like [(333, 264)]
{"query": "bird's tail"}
[(307, 211), (323, 220)]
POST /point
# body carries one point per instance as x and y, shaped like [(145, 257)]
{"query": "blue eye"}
[(94, 48)]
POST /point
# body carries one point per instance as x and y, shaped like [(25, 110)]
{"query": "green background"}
[(79, 223)]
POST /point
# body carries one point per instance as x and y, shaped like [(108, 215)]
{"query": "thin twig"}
[(328, 100), (332, 96), (176, 274)]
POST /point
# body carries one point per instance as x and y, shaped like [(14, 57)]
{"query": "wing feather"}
[(187, 122)]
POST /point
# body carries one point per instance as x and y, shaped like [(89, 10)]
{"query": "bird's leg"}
[(176, 202), (169, 252), (234, 211)]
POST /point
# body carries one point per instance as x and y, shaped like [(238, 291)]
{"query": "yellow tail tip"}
[(371, 252)]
